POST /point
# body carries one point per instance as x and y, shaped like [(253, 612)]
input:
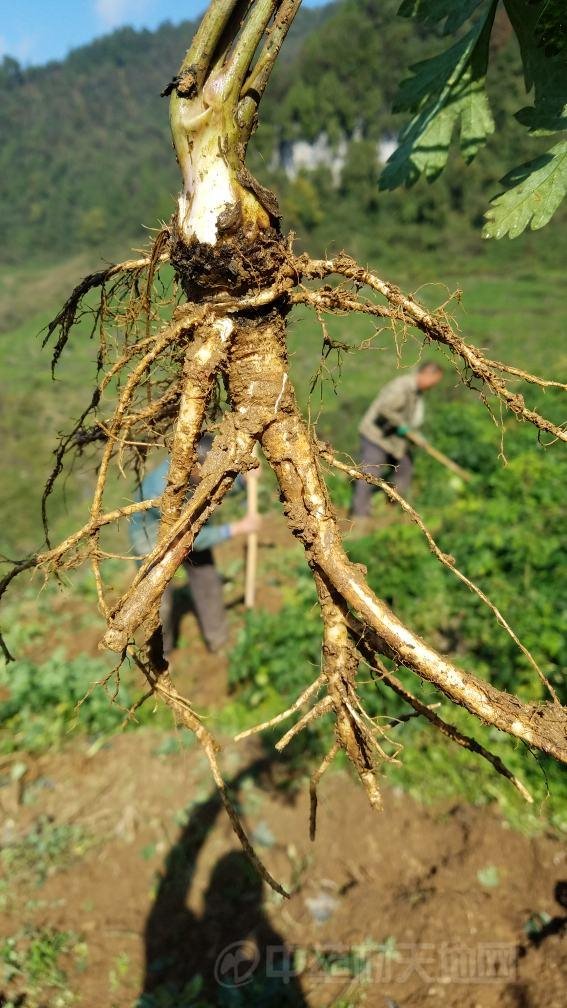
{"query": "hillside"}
[(86, 158), (86, 152), (93, 167)]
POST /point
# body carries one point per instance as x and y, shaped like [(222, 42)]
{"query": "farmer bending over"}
[(397, 409), (204, 580)]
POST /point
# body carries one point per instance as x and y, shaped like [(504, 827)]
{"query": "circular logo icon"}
[(236, 964)]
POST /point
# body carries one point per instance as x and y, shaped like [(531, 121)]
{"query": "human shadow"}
[(230, 953), (555, 925)]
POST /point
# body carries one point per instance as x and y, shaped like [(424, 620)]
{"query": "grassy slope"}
[(516, 317), (514, 311), (64, 187), (34, 410)]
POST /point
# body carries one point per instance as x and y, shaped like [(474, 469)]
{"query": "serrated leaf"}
[(551, 26), (423, 150), (435, 77), (542, 123), (536, 190), (446, 92), (545, 67), (431, 12)]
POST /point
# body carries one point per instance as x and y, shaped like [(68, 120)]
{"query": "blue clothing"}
[(144, 525)]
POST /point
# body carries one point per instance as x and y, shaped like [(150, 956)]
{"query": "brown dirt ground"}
[(164, 889), (172, 897)]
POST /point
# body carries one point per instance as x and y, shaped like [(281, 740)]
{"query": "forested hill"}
[(86, 157), (86, 152)]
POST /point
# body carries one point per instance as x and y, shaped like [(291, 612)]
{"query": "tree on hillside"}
[(236, 279)]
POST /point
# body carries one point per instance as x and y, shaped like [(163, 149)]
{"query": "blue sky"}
[(35, 31)]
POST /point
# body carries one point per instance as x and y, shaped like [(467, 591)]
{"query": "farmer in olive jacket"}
[(384, 449)]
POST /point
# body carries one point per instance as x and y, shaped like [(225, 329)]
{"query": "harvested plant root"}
[(236, 279)]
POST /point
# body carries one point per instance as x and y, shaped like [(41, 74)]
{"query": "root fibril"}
[(322, 707), (301, 700), (449, 730), (313, 785), (162, 685)]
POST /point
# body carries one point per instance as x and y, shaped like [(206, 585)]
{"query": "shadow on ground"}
[(231, 949)]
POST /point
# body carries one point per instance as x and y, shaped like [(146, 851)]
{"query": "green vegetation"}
[(32, 963), (49, 701), (45, 849), (447, 94), (505, 531), (64, 185), (44, 701)]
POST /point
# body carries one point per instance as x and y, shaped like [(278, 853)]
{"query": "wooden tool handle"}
[(416, 439), (251, 544)]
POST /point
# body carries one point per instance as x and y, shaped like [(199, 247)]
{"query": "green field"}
[(511, 310)]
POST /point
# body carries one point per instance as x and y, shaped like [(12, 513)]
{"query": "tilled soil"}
[(414, 906)]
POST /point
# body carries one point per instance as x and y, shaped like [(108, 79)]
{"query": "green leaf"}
[(535, 190), (545, 64), (430, 12), (551, 27), (540, 122), (446, 92)]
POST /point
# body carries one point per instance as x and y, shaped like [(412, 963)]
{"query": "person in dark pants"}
[(384, 448), (199, 565)]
